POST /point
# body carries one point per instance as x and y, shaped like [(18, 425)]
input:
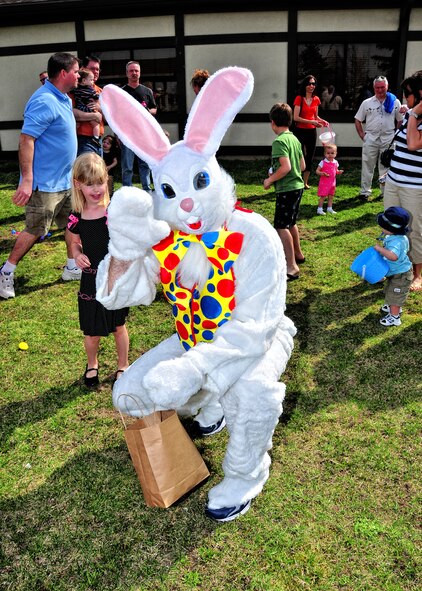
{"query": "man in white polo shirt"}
[(379, 113)]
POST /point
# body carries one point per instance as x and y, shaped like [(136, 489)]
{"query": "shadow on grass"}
[(13, 219), (345, 347), (341, 228), (308, 211), (17, 414), (22, 289), (7, 244), (106, 539)]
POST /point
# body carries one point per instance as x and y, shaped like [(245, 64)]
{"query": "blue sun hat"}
[(395, 220)]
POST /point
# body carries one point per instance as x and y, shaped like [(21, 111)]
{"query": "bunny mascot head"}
[(200, 197), (223, 271)]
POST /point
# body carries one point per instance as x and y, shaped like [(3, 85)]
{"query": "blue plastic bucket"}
[(370, 265)]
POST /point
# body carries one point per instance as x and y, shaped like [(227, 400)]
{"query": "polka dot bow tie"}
[(222, 248), (197, 313)]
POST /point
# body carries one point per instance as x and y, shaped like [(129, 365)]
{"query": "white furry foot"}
[(232, 492)]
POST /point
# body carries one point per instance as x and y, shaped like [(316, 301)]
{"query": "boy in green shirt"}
[(286, 176)]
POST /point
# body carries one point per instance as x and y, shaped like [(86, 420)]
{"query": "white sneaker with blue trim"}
[(227, 513), (390, 320), (386, 309), (7, 289), (211, 429)]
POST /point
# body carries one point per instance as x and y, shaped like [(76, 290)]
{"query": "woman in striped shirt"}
[(403, 186)]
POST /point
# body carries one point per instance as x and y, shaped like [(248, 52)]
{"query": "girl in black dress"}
[(89, 232)]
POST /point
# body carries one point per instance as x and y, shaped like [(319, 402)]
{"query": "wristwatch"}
[(415, 115)]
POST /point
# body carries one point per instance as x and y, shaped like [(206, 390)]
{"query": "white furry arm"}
[(135, 287)]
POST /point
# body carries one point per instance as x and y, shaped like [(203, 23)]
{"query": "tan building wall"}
[(267, 60)]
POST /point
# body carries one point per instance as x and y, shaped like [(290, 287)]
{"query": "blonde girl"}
[(88, 227)]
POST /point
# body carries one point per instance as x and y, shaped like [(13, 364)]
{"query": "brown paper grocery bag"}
[(165, 458)]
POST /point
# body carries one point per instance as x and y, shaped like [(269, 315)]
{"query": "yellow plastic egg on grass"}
[(23, 346)]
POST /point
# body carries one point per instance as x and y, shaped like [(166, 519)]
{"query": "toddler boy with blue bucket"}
[(395, 245)]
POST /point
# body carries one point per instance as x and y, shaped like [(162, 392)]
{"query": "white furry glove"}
[(171, 383), (131, 224)]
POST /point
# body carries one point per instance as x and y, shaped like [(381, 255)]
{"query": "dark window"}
[(345, 71), (158, 72)]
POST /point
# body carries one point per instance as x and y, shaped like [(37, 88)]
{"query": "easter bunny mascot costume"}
[(222, 270)]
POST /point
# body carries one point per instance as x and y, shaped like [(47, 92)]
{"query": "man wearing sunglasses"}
[(43, 76), (380, 114)]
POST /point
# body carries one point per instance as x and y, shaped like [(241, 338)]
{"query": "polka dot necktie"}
[(197, 313)]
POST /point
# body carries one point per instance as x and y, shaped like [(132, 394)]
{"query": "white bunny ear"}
[(221, 98), (134, 125)]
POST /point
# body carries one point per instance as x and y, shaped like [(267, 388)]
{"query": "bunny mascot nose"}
[(187, 204)]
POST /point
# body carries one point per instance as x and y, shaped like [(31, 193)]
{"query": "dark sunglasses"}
[(407, 92), (311, 84)]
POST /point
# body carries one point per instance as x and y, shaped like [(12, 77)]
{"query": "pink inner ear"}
[(225, 91), (129, 124)]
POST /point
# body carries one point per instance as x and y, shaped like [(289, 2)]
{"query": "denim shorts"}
[(45, 208)]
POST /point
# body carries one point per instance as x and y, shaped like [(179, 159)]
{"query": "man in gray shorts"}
[(47, 150)]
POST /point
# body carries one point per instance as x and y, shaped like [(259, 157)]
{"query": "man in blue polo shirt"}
[(47, 150)]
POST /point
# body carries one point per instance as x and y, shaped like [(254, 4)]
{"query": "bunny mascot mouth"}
[(223, 271), (194, 223)]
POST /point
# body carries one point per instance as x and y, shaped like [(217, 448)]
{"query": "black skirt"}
[(94, 319)]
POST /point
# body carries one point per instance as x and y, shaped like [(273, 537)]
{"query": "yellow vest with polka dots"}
[(198, 314)]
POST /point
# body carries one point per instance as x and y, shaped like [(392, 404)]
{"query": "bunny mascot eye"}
[(201, 180), (222, 269), (168, 191)]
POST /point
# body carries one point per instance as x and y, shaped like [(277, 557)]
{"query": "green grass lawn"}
[(340, 510)]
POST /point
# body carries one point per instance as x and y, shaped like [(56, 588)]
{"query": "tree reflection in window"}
[(158, 72), (345, 71)]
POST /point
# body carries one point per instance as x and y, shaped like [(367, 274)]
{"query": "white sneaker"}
[(227, 513), (320, 211), (71, 274), (212, 429), (331, 210), (390, 320), (6, 285), (386, 308)]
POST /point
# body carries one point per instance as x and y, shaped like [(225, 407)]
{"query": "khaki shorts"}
[(45, 208), (410, 199), (397, 288)]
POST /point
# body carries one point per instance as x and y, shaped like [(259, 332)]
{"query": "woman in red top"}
[(306, 117)]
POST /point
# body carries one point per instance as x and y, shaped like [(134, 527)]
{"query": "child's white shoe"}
[(331, 210), (390, 320), (386, 308), (320, 211)]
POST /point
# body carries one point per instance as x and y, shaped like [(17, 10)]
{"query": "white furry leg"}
[(251, 424), (252, 408), (210, 413), (128, 394), (210, 410)]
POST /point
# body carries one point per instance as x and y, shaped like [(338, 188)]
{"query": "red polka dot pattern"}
[(198, 314)]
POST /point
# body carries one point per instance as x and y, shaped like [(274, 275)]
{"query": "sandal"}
[(93, 381), (118, 373), (300, 261), (291, 277)]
